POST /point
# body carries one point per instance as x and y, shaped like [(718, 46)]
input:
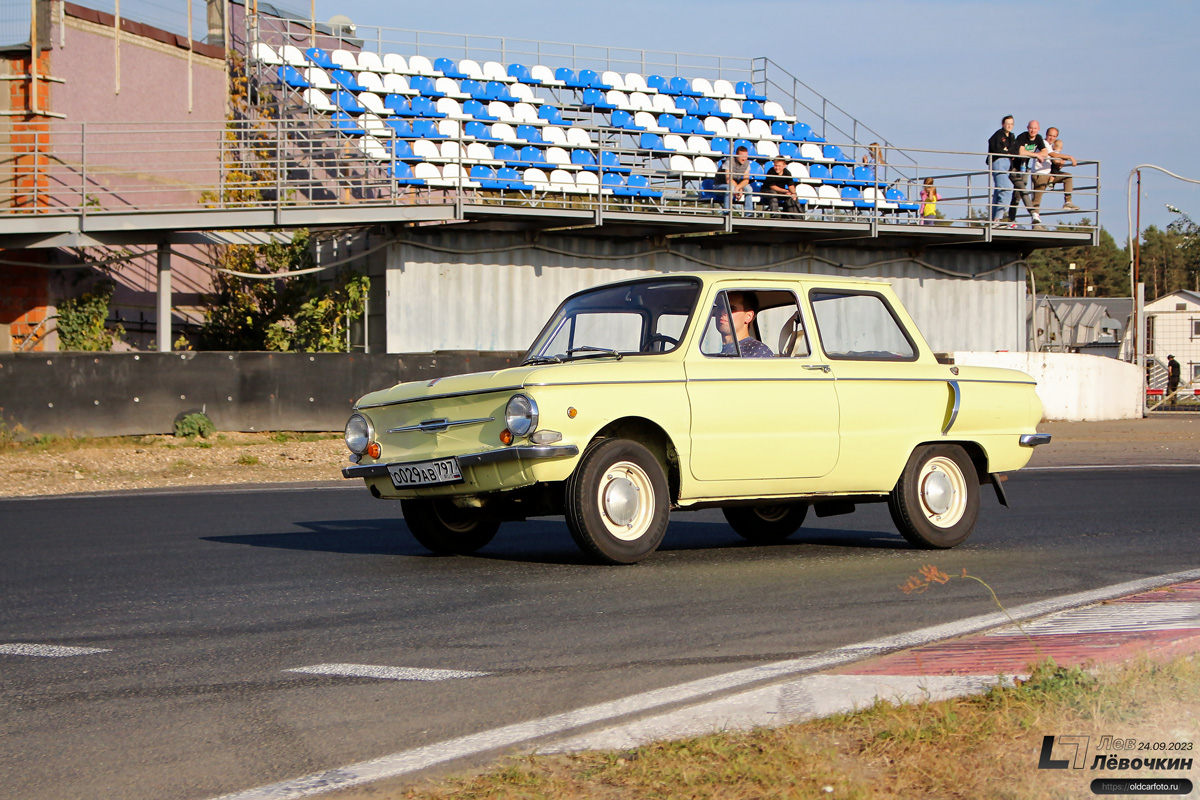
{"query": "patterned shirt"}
[(750, 347)]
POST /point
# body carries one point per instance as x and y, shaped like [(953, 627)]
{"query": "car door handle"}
[(822, 367)]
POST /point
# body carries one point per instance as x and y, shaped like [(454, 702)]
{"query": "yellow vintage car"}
[(761, 394)]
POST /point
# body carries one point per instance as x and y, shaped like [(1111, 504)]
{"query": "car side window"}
[(754, 323), (859, 326)]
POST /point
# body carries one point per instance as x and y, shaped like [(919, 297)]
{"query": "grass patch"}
[(973, 747), (247, 460), (283, 437)]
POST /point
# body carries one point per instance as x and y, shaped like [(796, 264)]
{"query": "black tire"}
[(616, 502), (936, 501), (766, 524), (447, 529)]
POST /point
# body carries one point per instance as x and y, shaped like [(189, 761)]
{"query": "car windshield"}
[(635, 318)]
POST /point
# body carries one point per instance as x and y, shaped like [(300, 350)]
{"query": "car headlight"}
[(521, 415), (359, 433)]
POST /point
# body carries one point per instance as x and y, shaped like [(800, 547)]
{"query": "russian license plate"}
[(425, 473)]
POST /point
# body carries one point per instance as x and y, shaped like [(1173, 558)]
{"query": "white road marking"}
[(522, 733), (1119, 617), (387, 673), (49, 650)]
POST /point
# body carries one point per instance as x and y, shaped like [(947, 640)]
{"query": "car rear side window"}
[(859, 326)]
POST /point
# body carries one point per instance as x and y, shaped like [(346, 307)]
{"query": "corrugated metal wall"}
[(484, 291)]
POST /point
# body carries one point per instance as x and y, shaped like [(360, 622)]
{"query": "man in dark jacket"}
[(999, 161)]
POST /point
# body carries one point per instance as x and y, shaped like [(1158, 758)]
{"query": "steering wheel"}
[(661, 338)]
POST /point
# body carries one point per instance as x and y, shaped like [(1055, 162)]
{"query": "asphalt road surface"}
[(201, 602)]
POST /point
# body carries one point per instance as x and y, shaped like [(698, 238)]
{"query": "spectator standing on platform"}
[(999, 161), (873, 158), (1026, 148), (1057, 159), (1173, 370), (1039, 173), (779, 187), (929, 198), (733, 179)]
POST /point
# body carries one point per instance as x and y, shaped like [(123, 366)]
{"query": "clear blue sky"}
[(1121, 80)]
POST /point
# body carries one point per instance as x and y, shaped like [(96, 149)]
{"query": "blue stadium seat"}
[(660, 83), (612, 162), (398, 104), (650, 141), (708, 193), (478, 131), (511, 177), (427, 129), (589, 77), (624, 120), (478, 110), (801, 132), (641, 185), (403, 151), (746, 89), (782, 129), (347, 102), (448, 68), (319, 57), (896, 196), (403, 175), (670, 122), (615, 184), (400, 126), (499, 91), (291, 77), (789, 150), (485, 176), (552, 115), (682, 86), (855, 196), (710, 107), (530, 134), (746, 143), (476, 89), (819, 172), (841, 175), (567, 76), (425, 85), (532, 155), (720, 144), (595, 98), (506, 153), (757, 173), (754, 108), (346, 80), (692, 125), (424, 107), (342, 122), (585, 159), (864, 175), (521, 73), (687, 105), (833, 152)]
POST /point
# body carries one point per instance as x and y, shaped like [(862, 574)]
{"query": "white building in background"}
[(1173, 328)]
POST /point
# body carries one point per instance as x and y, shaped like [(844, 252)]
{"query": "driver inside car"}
[(734, 325)]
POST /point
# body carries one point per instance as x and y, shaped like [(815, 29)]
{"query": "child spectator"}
[(929, 198)]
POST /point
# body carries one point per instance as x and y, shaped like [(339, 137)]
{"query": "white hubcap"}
[(626, 500), (943, 492)]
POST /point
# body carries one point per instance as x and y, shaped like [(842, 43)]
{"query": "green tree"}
[(1105, 267), (1189, 246), (82, 320)]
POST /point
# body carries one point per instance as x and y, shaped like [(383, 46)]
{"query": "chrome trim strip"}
[(604, 383), (531, 452), (939, 380), (439, 397), (780, 379), (435, 425), (1034, 439), (954, 411)]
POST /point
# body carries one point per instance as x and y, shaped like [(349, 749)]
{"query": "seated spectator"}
[(779, 188), (733, 180), (1057, 159)]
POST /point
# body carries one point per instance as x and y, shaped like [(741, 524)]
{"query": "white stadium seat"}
[(420, 65), (344, 59), (319, 79), (545, 75), (578, 137), (394, 62), (265, 54), (397, 84), (317, 100), (614, 79), (450, 88), (370, 61), (294, 57)]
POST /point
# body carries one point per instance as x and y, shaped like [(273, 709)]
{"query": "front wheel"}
[(766, 524), (936, 501), (617, 505), (447, 529)]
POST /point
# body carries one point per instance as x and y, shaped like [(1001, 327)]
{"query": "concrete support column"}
[(164, 298), (393, 293)]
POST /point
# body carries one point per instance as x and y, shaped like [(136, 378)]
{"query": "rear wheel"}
[(766, 524), (936, 501), (617, 504), (447, 529)]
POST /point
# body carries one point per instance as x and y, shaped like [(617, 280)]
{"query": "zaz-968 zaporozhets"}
[(758, 393)]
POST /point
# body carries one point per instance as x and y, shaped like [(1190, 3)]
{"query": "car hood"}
[(514, 378)]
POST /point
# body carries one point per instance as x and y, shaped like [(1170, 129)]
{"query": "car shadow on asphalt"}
[(547, 541)]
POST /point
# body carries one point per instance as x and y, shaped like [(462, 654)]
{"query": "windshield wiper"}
[(603, 351), (542, 360)]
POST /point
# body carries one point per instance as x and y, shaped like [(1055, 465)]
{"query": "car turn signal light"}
[(506, 436), (373, 450)]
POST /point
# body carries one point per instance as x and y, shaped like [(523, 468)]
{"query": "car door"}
[(891, 393), (760, 418)]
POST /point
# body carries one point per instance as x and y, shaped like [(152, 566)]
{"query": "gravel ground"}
[(86, 466)]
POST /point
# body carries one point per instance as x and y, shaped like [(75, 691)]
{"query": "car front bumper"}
[(532, 452)]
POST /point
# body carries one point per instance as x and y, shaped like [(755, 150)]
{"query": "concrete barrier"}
[(1072, 386)]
